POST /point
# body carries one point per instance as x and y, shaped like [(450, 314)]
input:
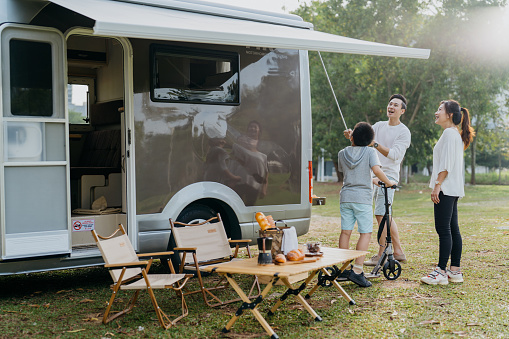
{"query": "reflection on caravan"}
[(118, 115)]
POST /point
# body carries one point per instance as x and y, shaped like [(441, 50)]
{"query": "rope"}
[(332, 89)]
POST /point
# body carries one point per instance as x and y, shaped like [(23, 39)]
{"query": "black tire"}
[(196, 213), (392, 270)]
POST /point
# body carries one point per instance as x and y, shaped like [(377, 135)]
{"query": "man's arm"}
[(381, 148), (398, 150)]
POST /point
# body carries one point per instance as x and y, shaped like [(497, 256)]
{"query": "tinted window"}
[(31, 78), (193, 75)]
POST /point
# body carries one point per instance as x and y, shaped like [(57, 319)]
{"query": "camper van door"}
[(34, 193)]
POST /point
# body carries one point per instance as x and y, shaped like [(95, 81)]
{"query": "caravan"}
[(133, 112)]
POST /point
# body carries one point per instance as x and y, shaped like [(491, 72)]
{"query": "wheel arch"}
[(218, 197)]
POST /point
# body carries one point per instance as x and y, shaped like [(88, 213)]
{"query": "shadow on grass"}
[(20, 285)]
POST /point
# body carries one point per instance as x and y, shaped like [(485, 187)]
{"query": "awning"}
[(133, 20)]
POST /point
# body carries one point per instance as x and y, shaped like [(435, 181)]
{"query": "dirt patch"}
[(400, 283)]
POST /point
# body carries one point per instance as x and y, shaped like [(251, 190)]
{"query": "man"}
[(392, 138)]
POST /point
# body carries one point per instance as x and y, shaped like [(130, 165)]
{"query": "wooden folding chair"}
[(129, 273), (208, 244)]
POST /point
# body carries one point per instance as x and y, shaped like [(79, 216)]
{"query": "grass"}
[(69, 304), (491, 178)]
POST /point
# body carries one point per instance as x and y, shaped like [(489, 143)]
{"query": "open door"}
[(34, 174), (99, 118)]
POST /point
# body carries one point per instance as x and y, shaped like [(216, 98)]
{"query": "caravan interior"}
[(96, 135)]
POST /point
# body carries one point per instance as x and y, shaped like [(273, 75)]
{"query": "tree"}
[(363, 84)]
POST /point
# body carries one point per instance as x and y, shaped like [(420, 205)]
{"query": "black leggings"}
[(446, 224)]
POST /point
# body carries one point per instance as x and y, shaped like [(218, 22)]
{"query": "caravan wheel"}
[(196, 213)]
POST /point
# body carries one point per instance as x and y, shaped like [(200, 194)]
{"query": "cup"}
[(313, 247)]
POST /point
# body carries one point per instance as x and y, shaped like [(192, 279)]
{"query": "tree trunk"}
[(472, 163), (499, 169), (338, 173)]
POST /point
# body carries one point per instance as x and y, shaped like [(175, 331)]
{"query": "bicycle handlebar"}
[(382, 184)]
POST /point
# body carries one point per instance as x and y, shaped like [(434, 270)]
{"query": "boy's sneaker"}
[(359, 279), (373, 261), (436, 278), (455, 276), (345, 274)]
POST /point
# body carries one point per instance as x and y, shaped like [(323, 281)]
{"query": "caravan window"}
[(194, 76), (31, 79)]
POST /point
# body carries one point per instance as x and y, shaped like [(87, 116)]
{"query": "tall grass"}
[(491, 178)]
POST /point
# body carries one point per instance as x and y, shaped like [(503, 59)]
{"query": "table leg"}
[(250, 305), (298, 296), (335, 283)]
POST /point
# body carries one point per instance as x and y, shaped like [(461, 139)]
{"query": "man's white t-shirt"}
[(397, 139)]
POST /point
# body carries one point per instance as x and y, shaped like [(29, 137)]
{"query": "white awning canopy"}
[(135, 20)]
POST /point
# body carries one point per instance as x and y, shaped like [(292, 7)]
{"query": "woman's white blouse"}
[(448, 156)]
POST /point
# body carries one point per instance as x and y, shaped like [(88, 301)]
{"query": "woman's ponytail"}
[(467, 132)]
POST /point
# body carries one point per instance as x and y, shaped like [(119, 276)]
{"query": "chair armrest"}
[(155, 254), (185, 249), (128, 264), (240, 241)]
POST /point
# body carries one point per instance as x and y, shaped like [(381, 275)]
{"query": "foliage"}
[(456, 69), (75, 117)]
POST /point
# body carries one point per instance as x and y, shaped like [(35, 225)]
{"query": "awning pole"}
[(332, 89)]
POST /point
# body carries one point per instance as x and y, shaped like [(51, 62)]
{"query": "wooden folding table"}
[(331, 257)]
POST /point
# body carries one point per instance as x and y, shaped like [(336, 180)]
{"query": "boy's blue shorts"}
[(362, 213)]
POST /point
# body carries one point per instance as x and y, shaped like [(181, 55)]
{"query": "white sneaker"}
[(436, 278), (455, 276)]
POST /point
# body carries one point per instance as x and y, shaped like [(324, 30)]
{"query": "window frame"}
[(55, 41), (190, 53), (86, 81)]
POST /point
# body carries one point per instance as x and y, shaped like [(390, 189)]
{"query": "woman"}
[(447, 182)]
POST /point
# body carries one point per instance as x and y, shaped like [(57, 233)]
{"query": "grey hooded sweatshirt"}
[(356, 162)]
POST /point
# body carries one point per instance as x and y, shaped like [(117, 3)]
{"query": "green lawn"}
[(69, 304)]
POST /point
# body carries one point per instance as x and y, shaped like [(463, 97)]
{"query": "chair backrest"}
[(117, 249), (209, 239)]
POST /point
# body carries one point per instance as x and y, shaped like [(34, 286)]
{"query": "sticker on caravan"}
[(83, 225)]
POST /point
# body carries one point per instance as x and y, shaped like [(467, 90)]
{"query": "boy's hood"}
[(353, 155)]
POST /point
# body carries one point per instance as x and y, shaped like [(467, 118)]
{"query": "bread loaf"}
[(262, 221), (271, 221), (294, 255), (280, 258)]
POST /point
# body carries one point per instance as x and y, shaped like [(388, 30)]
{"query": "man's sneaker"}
[(436, 278), (455, 276), (359, 279), (401, 258), (373, 261)]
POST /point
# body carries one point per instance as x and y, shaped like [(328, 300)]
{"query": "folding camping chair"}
[(129, 273), (208, 244)]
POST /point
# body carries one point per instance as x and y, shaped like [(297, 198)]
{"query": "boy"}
[(356, 198)]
